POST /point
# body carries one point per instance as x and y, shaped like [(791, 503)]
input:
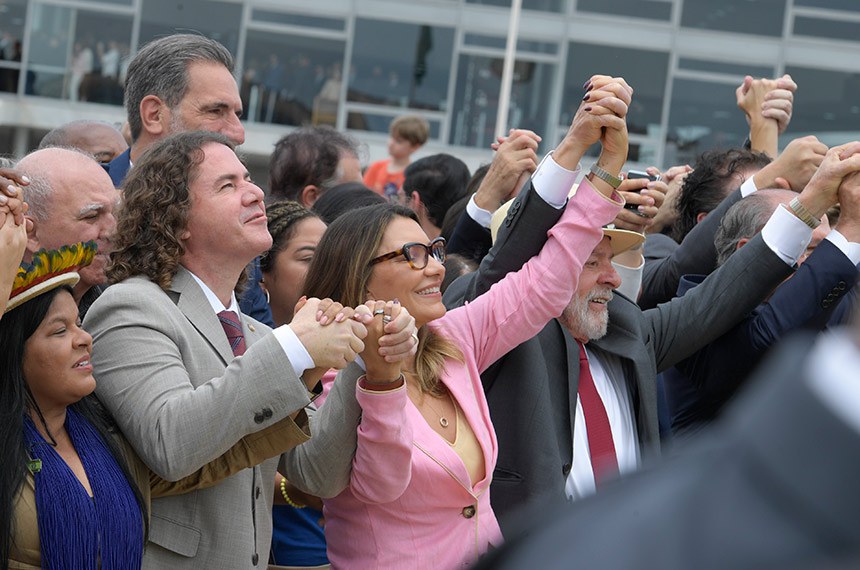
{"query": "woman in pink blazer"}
[(425, 503)]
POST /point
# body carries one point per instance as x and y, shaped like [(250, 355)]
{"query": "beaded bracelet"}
[(287, 498)]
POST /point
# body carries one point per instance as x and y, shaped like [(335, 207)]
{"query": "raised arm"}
[(530, 217), (685, 324), (514, 160), (361, 421), (767, 104)]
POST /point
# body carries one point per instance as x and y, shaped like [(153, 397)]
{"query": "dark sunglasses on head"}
[(417, 254)]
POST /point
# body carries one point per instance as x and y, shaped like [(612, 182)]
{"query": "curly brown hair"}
[(155, 208)]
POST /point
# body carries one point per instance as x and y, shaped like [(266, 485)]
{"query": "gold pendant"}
[(443, 422)]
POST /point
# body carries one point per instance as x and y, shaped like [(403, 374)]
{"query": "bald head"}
[(71, 199), (98, 138)]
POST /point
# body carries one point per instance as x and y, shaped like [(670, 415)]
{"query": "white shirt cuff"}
[(786, 235), (480, 215), (748, 187), (553, 182), (849, 248), (299, 356), (631, 279)]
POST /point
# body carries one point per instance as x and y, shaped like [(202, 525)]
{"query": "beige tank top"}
[(466, 446)]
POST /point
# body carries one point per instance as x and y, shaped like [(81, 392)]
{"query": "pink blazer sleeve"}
[(520, 305), (381, 468)]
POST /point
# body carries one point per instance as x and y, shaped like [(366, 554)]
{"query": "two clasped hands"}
[(383, 333)]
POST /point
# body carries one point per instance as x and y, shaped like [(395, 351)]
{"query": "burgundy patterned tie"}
[(604, 462), (233, 330)]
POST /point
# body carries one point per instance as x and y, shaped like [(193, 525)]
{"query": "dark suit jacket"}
[(469, 238), (775, 486), (699, 386), (532, 391), (664, 264), (252, 301), (117, 169)]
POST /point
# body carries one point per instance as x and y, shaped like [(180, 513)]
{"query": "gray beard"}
[(580, 322)]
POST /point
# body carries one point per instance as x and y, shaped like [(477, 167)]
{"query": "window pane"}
[(271, 17), (830, 111), (739, 68), (703, 116), (50, 29), (476, 99), (217, 20), (84, 63), (291, 80), (12, 13), (540, 5), (645, 71), (847, 5), (413, 75), (828, 29), (649, 9), (98, 76), (759, 17)]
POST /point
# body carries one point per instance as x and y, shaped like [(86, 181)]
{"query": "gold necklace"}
[(443, 421)]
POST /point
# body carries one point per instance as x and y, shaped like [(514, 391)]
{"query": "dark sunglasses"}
[(417, 254)]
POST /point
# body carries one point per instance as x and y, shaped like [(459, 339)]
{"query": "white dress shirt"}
[(293, 347)]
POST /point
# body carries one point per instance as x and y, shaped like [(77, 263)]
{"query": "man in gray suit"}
[(186, 374), (534, 392)]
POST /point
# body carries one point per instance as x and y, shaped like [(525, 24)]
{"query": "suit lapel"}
[(571, 358), (440, 451), (637, 367), (196, 308)]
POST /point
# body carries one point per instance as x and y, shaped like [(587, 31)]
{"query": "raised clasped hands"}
[(13, 228), (515, 160), (600, 117), (767, 99), (331, 333), (392, 340), (826, 186)]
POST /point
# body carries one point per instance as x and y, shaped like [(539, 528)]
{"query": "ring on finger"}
[(378, 312), (386, 319)]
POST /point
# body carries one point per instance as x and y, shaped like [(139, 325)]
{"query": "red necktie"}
[(233, 330), (604, 462)]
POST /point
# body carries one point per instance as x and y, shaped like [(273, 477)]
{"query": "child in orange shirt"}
[(407, 134)]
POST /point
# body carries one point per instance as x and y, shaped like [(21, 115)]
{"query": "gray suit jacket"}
[(532, 390), (167, 374), (774, 486)]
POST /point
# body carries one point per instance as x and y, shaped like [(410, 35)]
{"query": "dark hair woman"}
[(72, 492), (431, 508)]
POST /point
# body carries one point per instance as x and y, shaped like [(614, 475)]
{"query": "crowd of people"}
[(538, 363)]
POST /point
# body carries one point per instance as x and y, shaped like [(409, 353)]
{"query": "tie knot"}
[(230, 318), (582, 356)]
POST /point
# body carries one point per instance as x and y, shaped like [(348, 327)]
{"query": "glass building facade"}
[(357, 64)]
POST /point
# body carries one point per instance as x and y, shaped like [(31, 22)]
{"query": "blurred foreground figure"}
[(773, 486)]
